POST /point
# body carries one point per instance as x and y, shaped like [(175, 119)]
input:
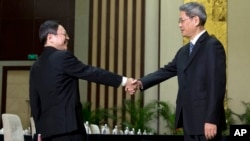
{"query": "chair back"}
[(12, 127), (105, 129), (33, 127), (95, 129)]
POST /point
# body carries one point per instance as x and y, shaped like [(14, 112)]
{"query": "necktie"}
[(191, 46)]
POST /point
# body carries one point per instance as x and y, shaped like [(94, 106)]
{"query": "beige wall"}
[(81, 38), (151, 48), (171, 41), (238, 53), (17, 98)]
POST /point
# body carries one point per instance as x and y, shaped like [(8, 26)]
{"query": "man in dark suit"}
[(201, 72), (54, 93)]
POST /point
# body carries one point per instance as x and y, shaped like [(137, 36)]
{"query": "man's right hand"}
[(132, 86)]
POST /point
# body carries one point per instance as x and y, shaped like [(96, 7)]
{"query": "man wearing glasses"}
[(201, 70), (54, 93)]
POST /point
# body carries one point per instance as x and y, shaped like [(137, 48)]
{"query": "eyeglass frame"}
[(182, 20), (64, 34)]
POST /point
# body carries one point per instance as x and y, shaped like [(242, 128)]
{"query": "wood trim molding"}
[(4, 83)]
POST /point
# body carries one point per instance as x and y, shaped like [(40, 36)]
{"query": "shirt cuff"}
[(124, 81)]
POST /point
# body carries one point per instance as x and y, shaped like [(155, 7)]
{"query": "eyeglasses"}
[(182, 20), (64, 34)]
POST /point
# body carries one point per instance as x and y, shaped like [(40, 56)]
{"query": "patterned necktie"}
[(191, 46)]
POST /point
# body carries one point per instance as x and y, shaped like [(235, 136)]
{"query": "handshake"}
[(132, 85)]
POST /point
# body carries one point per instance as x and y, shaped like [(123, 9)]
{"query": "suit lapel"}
[(196, 49)]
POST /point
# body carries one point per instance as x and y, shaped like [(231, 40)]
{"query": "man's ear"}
[(49, 36), (196, 20), (50, 39)]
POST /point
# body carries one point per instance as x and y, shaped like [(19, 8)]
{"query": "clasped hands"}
[(132, 85)]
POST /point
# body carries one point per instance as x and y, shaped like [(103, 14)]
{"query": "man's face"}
[(60, 40), (187, 25)]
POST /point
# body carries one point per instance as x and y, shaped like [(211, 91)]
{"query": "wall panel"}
[(116, 43)]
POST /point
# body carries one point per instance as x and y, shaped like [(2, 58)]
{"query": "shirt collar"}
[(197, 37)]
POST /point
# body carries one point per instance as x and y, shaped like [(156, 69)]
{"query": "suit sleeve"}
[(162, 74), (34, 100), (76, 68), (216, 81)]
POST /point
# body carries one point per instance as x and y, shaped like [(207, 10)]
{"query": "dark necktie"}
[(191, 46)]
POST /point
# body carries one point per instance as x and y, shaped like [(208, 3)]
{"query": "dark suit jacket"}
[(54, 94), (202, 84)]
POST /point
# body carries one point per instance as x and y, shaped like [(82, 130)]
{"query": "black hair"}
[(48, 27), (195, 9)]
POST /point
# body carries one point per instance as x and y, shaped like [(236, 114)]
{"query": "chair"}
[(95, 129), (33, 127), (12, 127), (105, 129), (87, 127)]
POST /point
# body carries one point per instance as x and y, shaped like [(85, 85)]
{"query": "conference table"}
[(92, 137), (101, 137), (98, 137)]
